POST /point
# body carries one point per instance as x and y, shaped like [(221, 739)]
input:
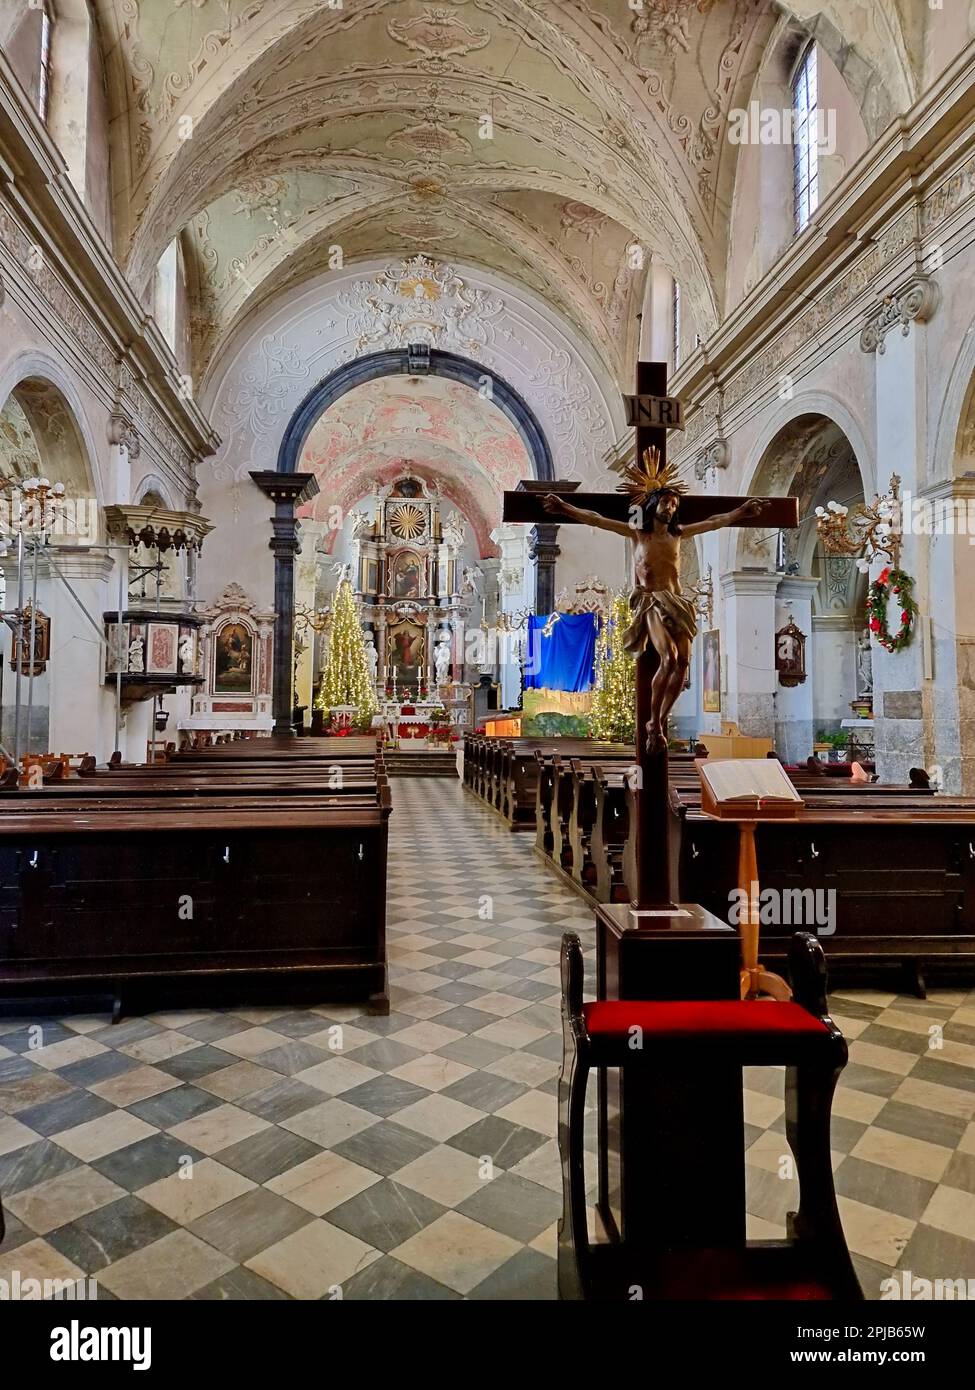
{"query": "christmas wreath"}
[(902, 585)]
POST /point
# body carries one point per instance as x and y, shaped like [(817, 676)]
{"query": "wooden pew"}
[(902, 870), (219, 882), (899, 860)]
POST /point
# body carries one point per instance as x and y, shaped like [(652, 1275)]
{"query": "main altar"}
[(411, 587)]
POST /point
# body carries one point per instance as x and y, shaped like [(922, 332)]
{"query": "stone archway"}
[(43, 440), (771, 578)]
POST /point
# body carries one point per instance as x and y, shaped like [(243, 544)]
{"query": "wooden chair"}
[(813, 1262)]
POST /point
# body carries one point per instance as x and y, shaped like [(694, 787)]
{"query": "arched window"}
[(805, 138), (44, 73), (164, 293)]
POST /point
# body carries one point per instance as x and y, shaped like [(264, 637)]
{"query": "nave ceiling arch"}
[(299, 139)]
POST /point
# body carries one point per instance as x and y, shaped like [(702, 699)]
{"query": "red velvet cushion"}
[(665, 1017)]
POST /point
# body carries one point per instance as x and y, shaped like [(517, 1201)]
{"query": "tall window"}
[(806, 138), (164, 293), (675, 324), (44, 82)]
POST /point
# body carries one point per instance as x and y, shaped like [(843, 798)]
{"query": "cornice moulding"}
[(908, 164), (43, 201)]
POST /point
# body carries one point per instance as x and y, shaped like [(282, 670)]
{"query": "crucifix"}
[(652, 511)]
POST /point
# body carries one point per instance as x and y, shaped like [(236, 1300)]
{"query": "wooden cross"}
[(653, 413)]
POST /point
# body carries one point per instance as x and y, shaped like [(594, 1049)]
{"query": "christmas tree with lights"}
[(345, 680), (613, 713)]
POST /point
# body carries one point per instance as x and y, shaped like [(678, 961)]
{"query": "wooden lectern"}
[(748, 791)]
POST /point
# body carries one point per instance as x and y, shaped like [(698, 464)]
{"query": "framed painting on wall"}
[(406, 648), (233, 660), (712, 672), (406, 579)]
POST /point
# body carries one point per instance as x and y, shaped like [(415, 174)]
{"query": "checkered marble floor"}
[(321, 1152)]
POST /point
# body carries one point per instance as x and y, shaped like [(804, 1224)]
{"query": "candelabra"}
[(867, 532), (510, 622), (702, 597), (34, 505), (306, 620)]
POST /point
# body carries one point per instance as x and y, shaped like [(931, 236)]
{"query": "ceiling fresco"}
[(443, 430), (560, 144)]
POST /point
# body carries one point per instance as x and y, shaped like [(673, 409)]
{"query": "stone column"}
[(543, 551), (794, 704), (949, 707), (902, 705), (82, 705), (383, 672), (123, 446), (137, 732), (287, 491), (833, 666), (748, 652)]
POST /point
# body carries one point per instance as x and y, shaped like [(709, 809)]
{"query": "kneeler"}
[(813, 1262)]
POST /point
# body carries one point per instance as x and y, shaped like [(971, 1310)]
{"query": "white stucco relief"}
[(267, 371)]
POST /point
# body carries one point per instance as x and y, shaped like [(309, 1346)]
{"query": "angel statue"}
[(454, 529), (660, 615)]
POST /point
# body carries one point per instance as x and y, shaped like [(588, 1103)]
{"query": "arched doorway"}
[(812, 458), (416, 361)]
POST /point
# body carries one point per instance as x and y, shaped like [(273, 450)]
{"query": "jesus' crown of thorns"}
[(640, 483)]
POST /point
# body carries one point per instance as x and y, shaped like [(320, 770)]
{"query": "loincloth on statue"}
[(677, 613)]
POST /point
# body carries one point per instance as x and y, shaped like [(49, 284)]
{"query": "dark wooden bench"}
[(239, 880)]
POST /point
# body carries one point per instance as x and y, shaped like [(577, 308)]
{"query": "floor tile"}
[(323, 1182), (56, 1201), (188, 1194), (314, 1261), (173, 1267), (250, 1223), (457, 1251)]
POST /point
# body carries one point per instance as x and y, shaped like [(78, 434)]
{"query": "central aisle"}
[(414, 1156)]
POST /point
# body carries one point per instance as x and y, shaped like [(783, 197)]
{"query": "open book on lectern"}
[(733, 788)]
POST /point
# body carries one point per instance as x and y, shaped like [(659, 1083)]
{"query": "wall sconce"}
[(867, 532)]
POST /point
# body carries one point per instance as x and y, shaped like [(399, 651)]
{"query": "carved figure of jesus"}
[(660, 615)]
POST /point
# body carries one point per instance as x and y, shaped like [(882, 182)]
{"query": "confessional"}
[(673, 1040)]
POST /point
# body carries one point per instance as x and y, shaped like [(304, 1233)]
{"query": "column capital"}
[(284, 536), (286, 489), (542, 543), (833, 622), (750, 581), (915, 301), (82, 563), (800, 587)]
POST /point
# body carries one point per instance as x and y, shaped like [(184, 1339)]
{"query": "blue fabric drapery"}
[(565, 659)]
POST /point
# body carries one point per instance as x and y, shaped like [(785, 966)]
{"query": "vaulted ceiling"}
[(542, 139)]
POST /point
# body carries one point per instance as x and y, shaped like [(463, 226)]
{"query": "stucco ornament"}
[(438, 33), (420, 301)]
